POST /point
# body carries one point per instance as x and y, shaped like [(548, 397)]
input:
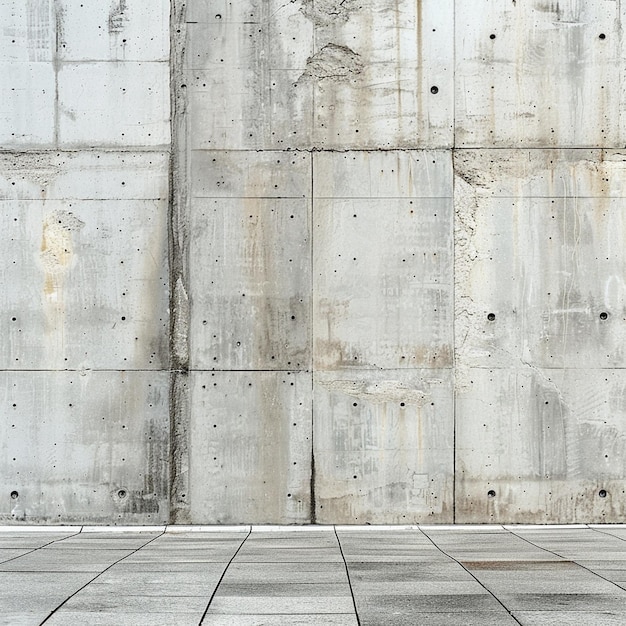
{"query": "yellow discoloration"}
[(57, 248)]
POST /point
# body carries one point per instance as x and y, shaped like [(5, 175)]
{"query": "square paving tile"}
[(434, 603), (328, 619), (106, 618), (564, 601), (467, 618), (569, 618), (294, 590), (237, 605), (406, 572)]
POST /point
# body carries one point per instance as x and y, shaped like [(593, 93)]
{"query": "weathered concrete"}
[(329, 75), (82, 76), (286, 261), (539, 74), (84, 134), (74, 448), (250, 275), (84, 263), (384, 446), (540, 297), (251, 447), (382, 264)]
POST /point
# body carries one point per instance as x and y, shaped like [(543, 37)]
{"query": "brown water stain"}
[(57, 247)]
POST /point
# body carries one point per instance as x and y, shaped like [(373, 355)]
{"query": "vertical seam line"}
[(345, 564)]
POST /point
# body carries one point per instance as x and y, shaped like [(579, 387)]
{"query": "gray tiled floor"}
[(339, 576)]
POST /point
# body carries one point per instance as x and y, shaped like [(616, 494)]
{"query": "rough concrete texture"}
[(250, 439), (85, 136), (539, 74), (540, 302), (384, 450), (382, 260), (368, 255)]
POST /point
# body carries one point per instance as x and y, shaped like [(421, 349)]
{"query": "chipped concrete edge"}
[(178, 272)]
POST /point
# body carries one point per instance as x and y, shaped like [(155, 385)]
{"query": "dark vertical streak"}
[(312, 315), (312, 356), (58, 25), (454, 442)]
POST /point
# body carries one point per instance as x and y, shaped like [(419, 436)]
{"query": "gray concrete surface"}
[(312, 261), (84, 161), (335, 575)]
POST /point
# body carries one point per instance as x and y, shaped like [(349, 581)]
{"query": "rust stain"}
[(57, 248)]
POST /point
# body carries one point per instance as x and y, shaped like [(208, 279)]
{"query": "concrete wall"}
[(385, 285), (85, 134)]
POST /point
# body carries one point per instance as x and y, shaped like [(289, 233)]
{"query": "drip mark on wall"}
[(117, 18)]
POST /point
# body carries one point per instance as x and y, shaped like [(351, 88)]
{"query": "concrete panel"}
[(231, 123), (383, 447), (538, 273), (86, 284), (84, 175), (122, 30), (27, 88), (546, 443), (555, 173), (94, 104), (383, 174), (382, 264), (114, 104), (552, 272), (218, 11), (271, 174), (85, 248), (252, 55), (301, 75), (27, 104), (84, 446), (251, 447), (538, 248), (250, 283), (382, 74), (539, 74)]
